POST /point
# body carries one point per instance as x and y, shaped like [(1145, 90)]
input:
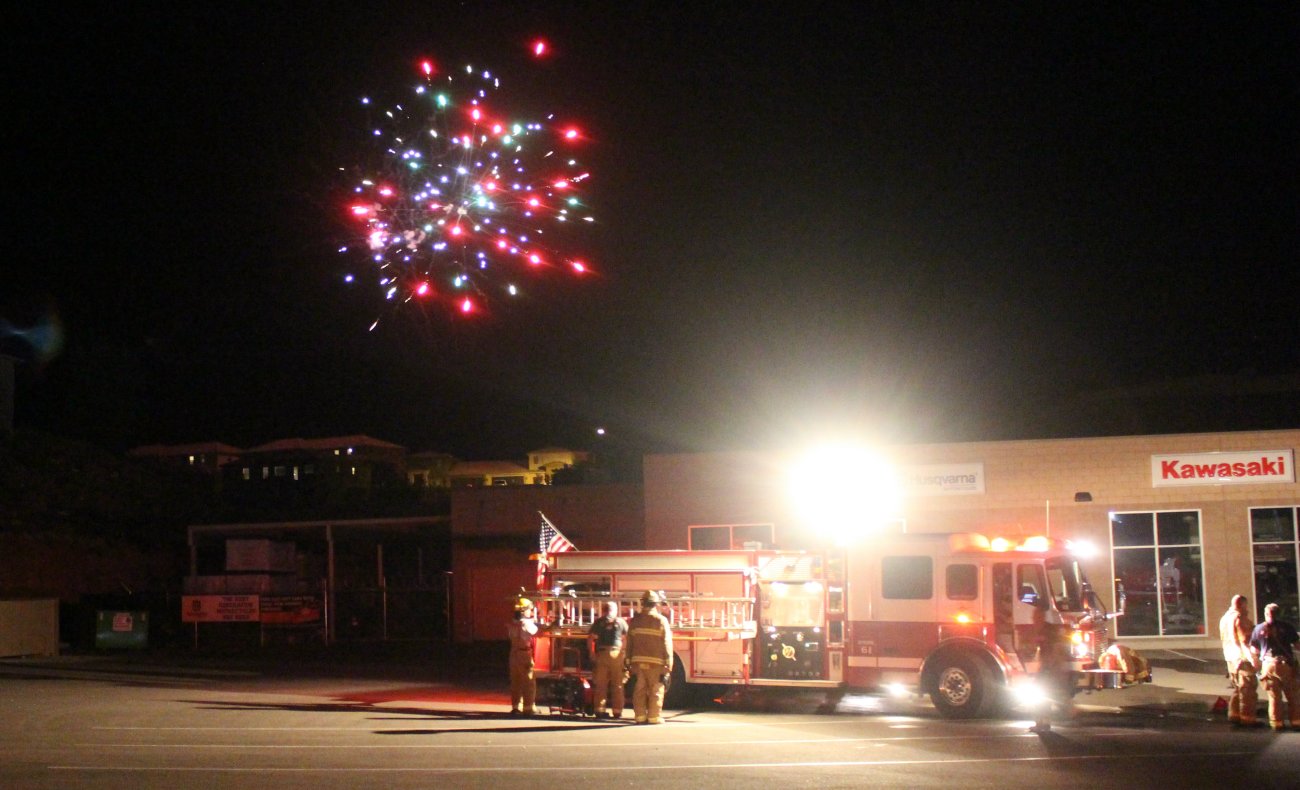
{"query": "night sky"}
[(909, 222)]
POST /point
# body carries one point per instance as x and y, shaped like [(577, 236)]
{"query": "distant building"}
[(485, 474), (347, 461), (542, 466), (301, 468), (430, 469), (550, 460), (205, 457), (355, 461)]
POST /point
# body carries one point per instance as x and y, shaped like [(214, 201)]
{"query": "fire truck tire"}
[(678, 694), (960, 687)]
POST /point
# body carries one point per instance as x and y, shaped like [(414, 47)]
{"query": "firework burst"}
[(465, 202)]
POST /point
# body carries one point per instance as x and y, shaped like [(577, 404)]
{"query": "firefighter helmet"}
[(523, 604), (651, 598)]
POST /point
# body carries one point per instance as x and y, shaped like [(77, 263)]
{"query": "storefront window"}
[(1274, 550), (1157, 557)]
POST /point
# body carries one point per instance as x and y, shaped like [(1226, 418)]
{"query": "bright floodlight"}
[(845, 492), (1083, 549)]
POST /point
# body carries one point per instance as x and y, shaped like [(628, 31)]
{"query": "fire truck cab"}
[(948, 615), (952, 616)]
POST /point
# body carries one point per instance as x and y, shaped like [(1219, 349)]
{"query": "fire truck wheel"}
[(678, 694), (959, 687)]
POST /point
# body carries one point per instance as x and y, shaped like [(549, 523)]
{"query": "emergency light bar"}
[(973, 541)]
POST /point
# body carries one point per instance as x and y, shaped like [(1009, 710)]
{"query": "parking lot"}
[(89, 722)]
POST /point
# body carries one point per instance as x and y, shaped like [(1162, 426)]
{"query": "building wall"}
[(593, 517), (1030, 488), (487, 576), (29, 627), (494, 530)]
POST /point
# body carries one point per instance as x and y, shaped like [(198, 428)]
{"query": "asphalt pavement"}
[(416, 716), (1190, 683)]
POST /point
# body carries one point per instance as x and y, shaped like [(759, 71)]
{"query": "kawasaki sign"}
[(1213, 469)]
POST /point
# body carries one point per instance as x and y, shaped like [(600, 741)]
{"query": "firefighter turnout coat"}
[(650, 641)]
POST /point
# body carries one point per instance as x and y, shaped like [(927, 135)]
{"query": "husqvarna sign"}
[(1216, 469), (940, 480)]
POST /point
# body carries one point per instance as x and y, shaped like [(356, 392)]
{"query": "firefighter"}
[(1054, 673), (1274, 639), (649, 658), (1235, 629), (607, 634), (522, 632)]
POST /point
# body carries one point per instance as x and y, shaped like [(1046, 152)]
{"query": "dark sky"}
[(917, 221)]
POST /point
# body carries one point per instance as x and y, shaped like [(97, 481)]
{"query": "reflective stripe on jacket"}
[(650, 640)]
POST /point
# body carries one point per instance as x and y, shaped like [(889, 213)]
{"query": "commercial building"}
[(1182, 522)]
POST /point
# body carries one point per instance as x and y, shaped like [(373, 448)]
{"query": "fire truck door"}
[(1013, 618), (1031, 584), (1004, 597)]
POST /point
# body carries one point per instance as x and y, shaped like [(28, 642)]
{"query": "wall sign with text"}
[(943, 479), (219, 608), (1215, 469)]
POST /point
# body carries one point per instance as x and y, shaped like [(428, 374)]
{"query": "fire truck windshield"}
[(1066, 581)]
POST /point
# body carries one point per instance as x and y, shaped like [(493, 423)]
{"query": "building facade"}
[(359, 461), (205, 457), (1179, 522), (495, 533)]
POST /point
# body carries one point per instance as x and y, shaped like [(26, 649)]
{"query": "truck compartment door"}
[(792, 631)]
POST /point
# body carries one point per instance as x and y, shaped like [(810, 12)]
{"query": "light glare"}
[(845, 492)]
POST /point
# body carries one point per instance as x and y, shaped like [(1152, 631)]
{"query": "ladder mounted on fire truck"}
[(695, 617)]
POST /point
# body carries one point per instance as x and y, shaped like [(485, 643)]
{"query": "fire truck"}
[(947, 615)]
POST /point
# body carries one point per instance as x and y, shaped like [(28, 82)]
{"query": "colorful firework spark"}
[(466, 202)]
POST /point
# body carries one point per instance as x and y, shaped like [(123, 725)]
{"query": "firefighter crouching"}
[(522, 633), (650, 658), (608, 634)]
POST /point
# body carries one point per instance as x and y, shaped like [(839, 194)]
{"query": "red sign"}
[(1192, 469), (219, 608), (291, 609)]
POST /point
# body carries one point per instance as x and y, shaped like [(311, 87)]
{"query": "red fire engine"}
[(948, 615)]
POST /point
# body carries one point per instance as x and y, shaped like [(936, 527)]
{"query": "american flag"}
[(550, 541)]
